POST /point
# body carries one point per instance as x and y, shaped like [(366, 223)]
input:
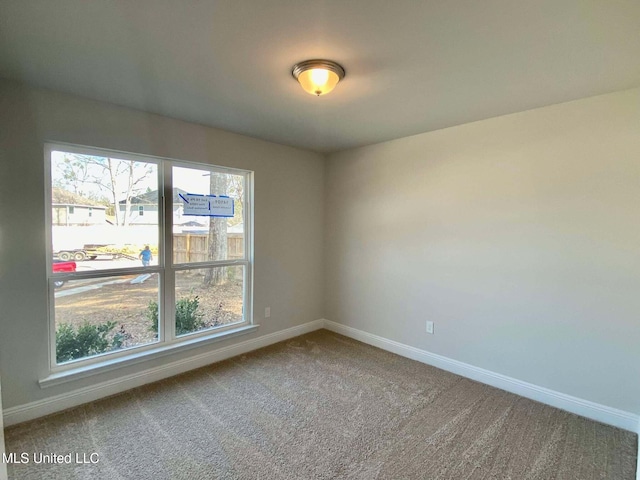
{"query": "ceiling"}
[(412, 65)]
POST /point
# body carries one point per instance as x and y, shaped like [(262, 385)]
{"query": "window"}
[(179, 277), (71, 209), (90, 212)]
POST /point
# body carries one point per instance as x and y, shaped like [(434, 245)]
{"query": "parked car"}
[(62, 266)]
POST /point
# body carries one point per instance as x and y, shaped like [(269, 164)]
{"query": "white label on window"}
[(207, 205)]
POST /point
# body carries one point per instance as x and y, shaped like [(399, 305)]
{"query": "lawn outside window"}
[(123, 283)]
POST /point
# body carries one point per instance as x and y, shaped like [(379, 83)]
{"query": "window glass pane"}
[(100, 315), (97, 206), (208, 298), (201, 238), (105, 215)]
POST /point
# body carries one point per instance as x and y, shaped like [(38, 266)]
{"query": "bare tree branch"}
[(119, 179)]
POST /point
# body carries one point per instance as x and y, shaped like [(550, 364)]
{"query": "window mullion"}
[(247, 219), (168, 285)]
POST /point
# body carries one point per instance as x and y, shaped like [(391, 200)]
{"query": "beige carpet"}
[(323, 406)]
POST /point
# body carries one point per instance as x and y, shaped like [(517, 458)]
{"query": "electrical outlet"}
[(267, 312), (430, 327)]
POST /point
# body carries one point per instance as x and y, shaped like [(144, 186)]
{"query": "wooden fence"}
[(193, 247)]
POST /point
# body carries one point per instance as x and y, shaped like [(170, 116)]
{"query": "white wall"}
[(519, 236), (288, 220)]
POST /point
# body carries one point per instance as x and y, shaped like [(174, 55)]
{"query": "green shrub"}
[(188, 319), (152, 314), (87, 340)]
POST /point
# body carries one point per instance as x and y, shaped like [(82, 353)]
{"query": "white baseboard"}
[(30, 411), (585, 408)]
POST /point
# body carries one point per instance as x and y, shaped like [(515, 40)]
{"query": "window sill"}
[(108, 365)]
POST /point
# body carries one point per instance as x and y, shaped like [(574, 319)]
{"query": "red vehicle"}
[(62, 266)]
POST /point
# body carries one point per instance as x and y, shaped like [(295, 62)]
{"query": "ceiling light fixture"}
[(318, 77)]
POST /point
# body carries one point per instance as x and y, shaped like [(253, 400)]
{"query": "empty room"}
[(315, 240)]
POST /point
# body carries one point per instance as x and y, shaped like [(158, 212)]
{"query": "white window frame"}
[(167, 341)]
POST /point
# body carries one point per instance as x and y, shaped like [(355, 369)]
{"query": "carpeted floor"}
[(322, 406)]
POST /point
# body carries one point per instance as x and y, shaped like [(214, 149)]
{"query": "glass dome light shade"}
[(318, 77), (318, 81)]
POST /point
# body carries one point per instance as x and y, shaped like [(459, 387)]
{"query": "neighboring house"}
[(69, 209), (144, 211), (144, 208)]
